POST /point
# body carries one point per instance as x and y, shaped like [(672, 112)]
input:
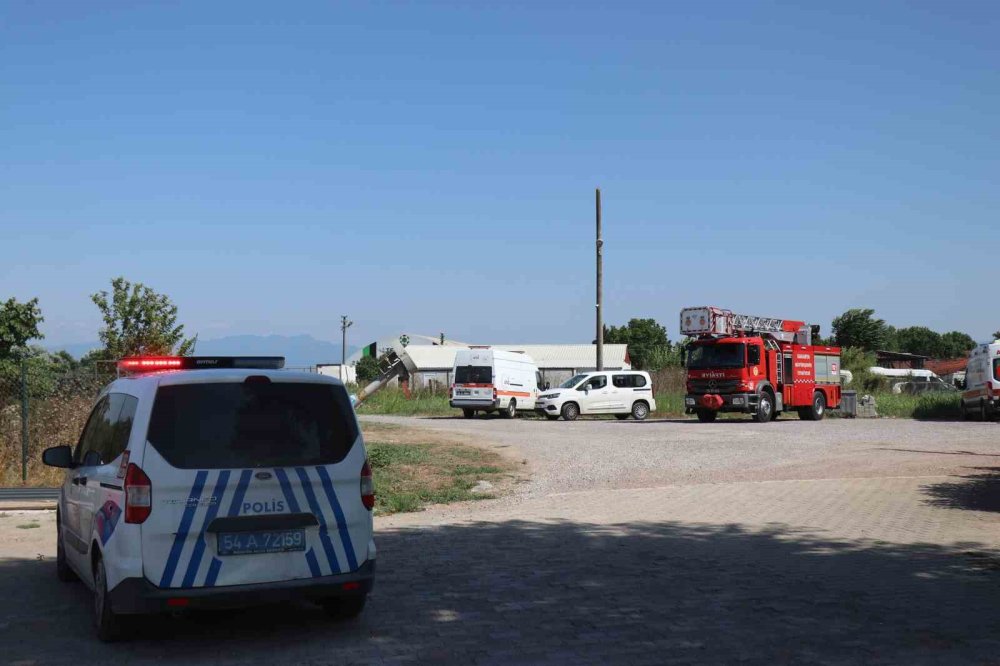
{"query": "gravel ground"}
[(840, 542), (588, 455)]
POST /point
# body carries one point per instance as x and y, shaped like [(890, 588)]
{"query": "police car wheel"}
[(344, 608), (108, 625), (63, 570)]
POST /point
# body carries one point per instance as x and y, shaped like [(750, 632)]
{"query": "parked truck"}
[(756, 365)]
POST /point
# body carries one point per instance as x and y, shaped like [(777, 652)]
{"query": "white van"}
[(623, 393), (981, 397), (489, 380), (213, 488)]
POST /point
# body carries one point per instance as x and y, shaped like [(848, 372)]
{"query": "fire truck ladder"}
[(740, 322)]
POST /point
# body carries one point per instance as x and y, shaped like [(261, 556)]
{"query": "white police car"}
[(216, 482)]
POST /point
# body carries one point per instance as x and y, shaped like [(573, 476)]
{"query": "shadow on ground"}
[(978, 491), (563, 592)]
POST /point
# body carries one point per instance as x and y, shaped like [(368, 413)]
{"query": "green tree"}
[(366, 369), (139, 321), (858, 327), (920, 340), (996, 335), (956, 344), (18, 323), (648, 345)]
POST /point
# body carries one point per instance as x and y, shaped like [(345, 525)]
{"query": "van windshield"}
[(268, 424), (572, 381), (727, 355), (474, 374)]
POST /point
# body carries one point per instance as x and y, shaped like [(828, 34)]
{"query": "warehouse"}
[(433, 362)]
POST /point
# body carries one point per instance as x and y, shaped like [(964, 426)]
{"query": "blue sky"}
[(430, 166)]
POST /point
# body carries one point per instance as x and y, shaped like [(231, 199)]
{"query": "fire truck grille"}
[(713, 385)]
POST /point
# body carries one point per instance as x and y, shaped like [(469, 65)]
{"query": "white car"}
[(623, 393), (221, 487)]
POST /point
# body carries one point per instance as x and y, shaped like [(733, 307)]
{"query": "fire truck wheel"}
[(765, 408), (818, 409), (707, 416), (570, 411)]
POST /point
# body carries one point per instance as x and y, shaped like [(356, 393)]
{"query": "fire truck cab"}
[(756, 365)]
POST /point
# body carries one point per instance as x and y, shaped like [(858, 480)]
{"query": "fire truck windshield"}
[(725, 355)]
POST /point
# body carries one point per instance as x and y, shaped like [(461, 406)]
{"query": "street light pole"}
[(344, 325), (600, 287)]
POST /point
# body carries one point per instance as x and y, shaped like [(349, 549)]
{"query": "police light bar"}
[(154, 363)]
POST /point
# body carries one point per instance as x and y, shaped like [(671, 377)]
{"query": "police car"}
[(216, 482)]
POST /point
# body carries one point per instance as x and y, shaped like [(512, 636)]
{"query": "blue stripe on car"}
[(286, 488), (324, 536), (345, 535), (213, 572), (182, 530), (313, 564), (199, 547), (241, 492)]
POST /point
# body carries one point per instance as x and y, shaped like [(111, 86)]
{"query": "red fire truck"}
[(756, 365)]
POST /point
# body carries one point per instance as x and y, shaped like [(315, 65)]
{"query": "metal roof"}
[(547, 357)]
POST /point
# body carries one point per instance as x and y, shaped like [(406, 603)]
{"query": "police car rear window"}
[(267, 424)]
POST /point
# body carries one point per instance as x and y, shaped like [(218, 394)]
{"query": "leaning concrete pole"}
[(600, 290)]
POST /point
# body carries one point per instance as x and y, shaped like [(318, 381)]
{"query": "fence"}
[(41, 406)]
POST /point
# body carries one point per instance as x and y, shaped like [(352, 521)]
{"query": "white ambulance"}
[(205, 482), (981, 397), (489, 380)]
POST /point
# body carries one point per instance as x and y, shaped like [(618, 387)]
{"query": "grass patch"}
[(409, 476), (933, 406), (28, 526), (420, 403)]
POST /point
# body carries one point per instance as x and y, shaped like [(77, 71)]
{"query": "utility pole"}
[(344, 325), (600, 289)]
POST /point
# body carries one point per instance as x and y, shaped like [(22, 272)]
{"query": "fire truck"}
[(756, 365)]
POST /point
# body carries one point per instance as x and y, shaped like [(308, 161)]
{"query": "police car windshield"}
[(726, 355), (267, 424), (572, 381)]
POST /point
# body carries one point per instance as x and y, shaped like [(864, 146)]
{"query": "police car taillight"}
[(138, 495), (367, 486)]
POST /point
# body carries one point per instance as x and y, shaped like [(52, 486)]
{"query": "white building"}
[(433, 362)]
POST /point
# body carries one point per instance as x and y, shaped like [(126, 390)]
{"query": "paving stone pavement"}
[(880, 569)]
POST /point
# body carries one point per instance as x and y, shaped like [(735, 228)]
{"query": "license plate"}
[(251, 543), (463, 392), (737, 401)]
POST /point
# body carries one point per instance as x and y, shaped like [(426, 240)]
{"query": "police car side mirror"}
[(58, 456)]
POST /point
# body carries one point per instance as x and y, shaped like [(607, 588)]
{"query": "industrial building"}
[(434, 358)]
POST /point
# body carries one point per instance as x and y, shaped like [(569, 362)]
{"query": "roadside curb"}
[(28, 505)]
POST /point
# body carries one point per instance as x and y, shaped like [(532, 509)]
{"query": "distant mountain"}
[(299, 350)]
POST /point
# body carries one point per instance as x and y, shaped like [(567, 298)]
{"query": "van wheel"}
[(640, 410), (982, 412), (63, 571), (707, 416), (109, 626), (552, 417), (570, 411), (765, 408), (344, 608), (622, 417), (511, 410), (468, 413)]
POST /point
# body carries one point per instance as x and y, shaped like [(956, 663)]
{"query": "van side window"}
[(598, 382), (628, 381), (118, 441), (97, 433)]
